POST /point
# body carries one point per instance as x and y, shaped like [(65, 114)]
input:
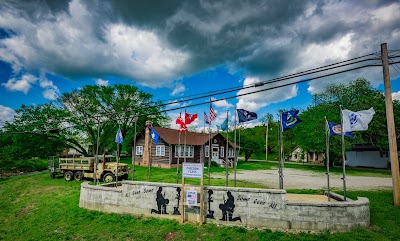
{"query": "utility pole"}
[(394, 160)]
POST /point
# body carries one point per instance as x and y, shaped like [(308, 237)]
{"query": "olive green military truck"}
[(84, 167)]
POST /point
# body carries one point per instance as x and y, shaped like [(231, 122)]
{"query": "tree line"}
[(309, 135), (75, 119)]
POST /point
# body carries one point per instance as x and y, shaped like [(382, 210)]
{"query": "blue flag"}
[(290, 119), (224, 125), (245, 115), (336, 129), (118, 137), (154, 135)]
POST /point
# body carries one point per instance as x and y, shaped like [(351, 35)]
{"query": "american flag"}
[(212, 113), (206, 118)]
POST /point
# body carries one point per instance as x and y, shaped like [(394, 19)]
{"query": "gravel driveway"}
[(301, 179)]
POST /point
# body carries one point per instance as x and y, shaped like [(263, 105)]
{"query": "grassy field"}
[(35, 207)]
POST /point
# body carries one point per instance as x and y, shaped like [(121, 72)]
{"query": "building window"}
[(231, 152), (139, 150), (160, 150), (384, 154), (180, 150), (207, 150), (222, 151)]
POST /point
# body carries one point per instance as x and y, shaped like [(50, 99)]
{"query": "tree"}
[(356, 95), (110, 108)]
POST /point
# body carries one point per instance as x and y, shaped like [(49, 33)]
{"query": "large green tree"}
[(74, 121)]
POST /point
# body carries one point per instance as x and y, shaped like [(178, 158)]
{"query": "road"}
[(301, 179)]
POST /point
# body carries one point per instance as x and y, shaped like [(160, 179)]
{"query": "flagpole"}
[(327, 157), (209, 146), (266, 141), (280, 153), (226, 156), (343, 156), (134, 152), (97, 152), (234, 154), (184, 148), (179, 153)]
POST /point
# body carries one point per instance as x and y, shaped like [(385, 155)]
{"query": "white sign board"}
[(192, 170), (191, 198)]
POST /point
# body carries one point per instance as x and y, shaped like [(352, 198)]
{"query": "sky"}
[(177, 49)]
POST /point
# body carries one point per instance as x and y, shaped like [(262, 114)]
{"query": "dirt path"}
[(301, 179)]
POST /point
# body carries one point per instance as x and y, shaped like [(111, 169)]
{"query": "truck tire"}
[(52, 175), (68, 176), (78, 176), (124, 177), (108, 177)]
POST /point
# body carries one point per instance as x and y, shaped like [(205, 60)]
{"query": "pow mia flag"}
[(245, 115)]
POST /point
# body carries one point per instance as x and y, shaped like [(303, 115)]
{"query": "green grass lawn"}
[(35, 207)]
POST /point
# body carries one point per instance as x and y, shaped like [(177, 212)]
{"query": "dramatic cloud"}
[(102, 82), (222, 103), (179, 88), (6, 114), (156, 43), (257, 98), (24, 84)]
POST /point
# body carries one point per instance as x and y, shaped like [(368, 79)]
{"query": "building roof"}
[(171, 136)]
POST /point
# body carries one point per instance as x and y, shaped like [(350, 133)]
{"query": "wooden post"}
[(202, 198), (394, 162)]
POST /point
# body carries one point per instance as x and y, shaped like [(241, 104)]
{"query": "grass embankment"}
[(36, 207), (16, 166)]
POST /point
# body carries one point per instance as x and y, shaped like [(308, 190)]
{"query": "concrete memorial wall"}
[(248, 207)]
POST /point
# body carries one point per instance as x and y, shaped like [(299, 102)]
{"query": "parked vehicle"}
[(84, 167)]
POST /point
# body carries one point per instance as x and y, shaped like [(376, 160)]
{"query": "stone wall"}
[(248, 207)]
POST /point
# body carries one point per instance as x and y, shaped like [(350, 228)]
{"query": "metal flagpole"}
[(343, 156), (184, 148), (266, 141), (235, 156), (226, 156), (281, 153), (134, 152), (97, 151), (179, 154), (116, 172), (209, 146), (327, 157)]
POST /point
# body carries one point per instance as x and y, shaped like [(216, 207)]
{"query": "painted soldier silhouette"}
[(162, 203), (178, 198), (228, 208), (210, 213)]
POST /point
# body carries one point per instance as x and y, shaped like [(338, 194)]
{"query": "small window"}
[(160, 150), (231, 152), (207, 150), (139, 150), (222, 151), (181, 152)]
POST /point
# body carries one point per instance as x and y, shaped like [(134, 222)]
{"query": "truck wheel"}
[(78, 176), (68, 176), (124, 177), (108, 177), (52, 175)]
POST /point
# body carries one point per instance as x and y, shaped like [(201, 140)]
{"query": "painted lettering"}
[(256, 201), (145, 190), (241, 198), (273, 205)]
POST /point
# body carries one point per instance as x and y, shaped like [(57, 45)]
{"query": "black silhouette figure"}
[(162, 203), (210, 213), (228, 208), (178, 198)]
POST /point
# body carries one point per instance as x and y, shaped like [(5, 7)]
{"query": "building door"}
[(215, 153)]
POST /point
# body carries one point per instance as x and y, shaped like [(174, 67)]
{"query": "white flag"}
[(357, 121)]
